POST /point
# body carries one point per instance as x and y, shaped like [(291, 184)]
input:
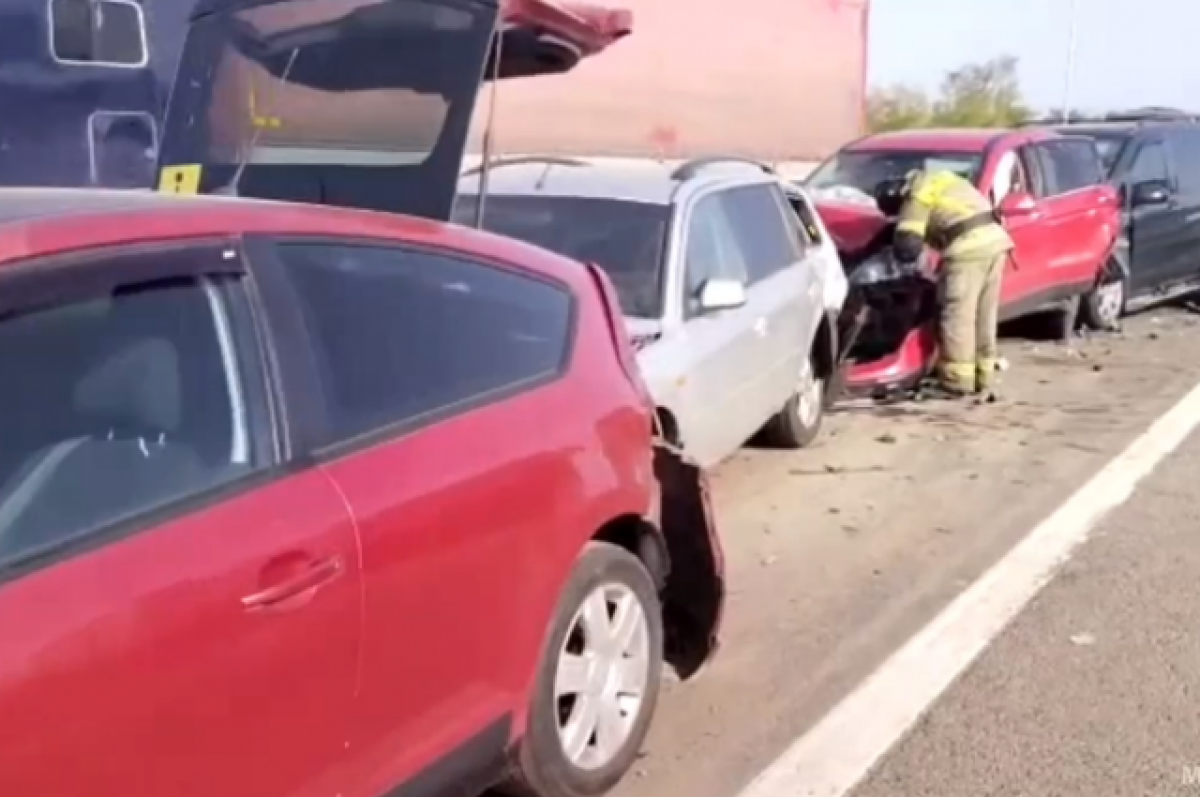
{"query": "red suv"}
[(301, 501), (1050, 194)]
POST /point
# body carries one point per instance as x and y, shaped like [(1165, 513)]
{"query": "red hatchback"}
[(1051, 195), (301, 501)]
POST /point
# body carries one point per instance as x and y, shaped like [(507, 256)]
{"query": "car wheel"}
[(799, 423), (598, 681), (1104, 305)]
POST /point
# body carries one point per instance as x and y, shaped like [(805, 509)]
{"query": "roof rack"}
[(547, 160), (690, 169)]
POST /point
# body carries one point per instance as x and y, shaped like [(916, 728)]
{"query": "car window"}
[(761, 228), (401, 336), (128, 399), (626, 239), (1185, 146), (1150, 163), (712, 249), (1069, 165), (99, 32)]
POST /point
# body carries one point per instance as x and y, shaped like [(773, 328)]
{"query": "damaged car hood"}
[(854, 227)]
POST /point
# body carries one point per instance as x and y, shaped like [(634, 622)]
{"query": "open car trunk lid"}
[(356, 103)]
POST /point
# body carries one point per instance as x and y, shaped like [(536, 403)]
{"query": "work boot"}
[(944, 392)]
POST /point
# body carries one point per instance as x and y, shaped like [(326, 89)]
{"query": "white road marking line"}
[(836, 755)]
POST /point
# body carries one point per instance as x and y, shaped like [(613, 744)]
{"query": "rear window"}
[(626, 239), (858, 172)]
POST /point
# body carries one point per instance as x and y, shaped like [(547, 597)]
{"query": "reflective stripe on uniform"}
[(960, 376)]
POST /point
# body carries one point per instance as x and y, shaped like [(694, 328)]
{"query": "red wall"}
[(773, 79)]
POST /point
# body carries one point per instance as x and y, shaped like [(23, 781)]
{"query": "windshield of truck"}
[(626, 239), (359, 103), (854, 174)]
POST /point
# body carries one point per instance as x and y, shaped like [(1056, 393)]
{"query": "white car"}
[(729, 282)]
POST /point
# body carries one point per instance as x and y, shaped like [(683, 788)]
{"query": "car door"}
[(1077, 231), (1031, 237), (445, 424), (783, 285), (180, 608), (721, 353), (1158, 251), (1184, 145)]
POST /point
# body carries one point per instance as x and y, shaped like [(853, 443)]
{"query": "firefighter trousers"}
[(969, 317)]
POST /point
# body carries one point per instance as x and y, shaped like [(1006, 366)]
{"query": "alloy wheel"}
[(1110, 299), (602, 676)]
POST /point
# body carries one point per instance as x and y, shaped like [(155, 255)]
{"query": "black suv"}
[(1153, 157)]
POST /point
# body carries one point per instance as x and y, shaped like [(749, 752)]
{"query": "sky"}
[(1129, 53)]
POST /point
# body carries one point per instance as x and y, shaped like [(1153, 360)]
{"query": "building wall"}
[(779, 80)]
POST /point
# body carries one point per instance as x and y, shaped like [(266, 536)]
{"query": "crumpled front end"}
[(892, 309), (694, 595)]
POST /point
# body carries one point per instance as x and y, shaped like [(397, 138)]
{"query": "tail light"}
[(620, 338)]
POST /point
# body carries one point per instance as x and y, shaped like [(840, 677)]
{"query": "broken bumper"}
[(694, 595)]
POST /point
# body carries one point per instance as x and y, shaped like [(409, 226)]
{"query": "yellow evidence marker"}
[(179, 179)]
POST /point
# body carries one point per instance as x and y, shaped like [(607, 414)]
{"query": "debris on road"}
[(1083, 640)]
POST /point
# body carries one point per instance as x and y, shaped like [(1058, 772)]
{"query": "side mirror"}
[(722, 294), (1150, 192), (1017, 204)]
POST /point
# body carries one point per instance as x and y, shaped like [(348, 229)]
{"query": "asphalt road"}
[(838, 554), (1095, 689)]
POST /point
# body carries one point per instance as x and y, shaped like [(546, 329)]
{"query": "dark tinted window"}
[(1185, 146), (1150, 163), (102, 32), (626, 239), (1069, 166), (767, 242), (127, 400), (399, 334), (124, 149), (713, 251)]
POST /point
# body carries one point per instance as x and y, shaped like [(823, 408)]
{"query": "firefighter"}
[(946, 211)]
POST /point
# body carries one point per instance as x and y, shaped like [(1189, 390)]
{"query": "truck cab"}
[(81, 76)]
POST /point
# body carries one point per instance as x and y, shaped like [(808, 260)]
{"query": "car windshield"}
[(856, 173), (626, 239)]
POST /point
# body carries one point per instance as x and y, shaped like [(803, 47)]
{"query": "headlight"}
[(875, 270)]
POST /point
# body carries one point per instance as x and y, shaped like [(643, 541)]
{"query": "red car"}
[(300, 501), (1051, 196)]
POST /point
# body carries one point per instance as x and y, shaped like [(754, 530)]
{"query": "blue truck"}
[(83, 86)]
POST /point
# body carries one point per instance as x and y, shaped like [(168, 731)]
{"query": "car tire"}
[(1103, 306), (799, 422), (546, 763)]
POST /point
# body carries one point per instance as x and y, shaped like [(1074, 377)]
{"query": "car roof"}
[(39, 222), (952, 140), (628, 179)]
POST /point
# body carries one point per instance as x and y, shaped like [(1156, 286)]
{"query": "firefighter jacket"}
[(952, 216)]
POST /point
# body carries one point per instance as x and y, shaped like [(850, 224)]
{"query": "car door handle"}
[(760, 326), (311, 578)]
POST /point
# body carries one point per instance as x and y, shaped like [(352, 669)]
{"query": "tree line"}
[(986, 94)]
